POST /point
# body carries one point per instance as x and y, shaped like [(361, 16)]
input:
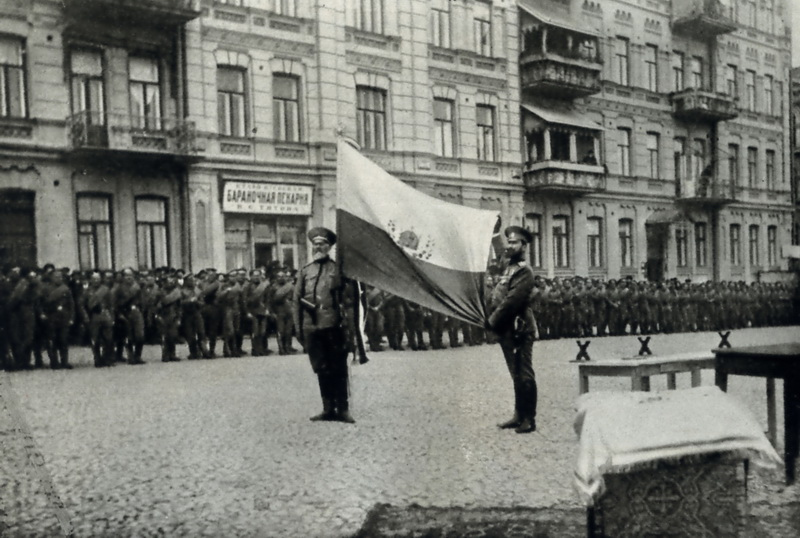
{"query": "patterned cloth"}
[(624, 431)]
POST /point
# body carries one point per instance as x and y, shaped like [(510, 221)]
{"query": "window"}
[(231, 101), (626, 242), (152, 244), (145, 93), (651, 67), (534, 225), (769, 16), (700, 244), (736, 247), (680, 158), (286, 108), (750, 13), (652, 153), (733, 163), (731, 78), (88, 89), (368, 15), (13, 98), (561, 241), (624, 150), (770, 155), (443, 127), (622, 53), (594, 230), (750, 86), (752, 163), (753, 241), (95, 240), (285, 7), (768, 95), (778, 98), (482, 28), (371, 117), (698, 157), (682, 246), (485, 120), (697, 72), (677, 71), (440, 28), (772, 245)]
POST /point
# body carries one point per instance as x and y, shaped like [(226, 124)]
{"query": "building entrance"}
[(17, 228), (656, 235)]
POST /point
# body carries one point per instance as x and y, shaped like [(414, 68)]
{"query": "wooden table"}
[(639, 369), (772, 361)]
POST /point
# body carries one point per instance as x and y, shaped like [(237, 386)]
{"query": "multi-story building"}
[(203, 133), (643, 139), (795, 142), (657, 137)]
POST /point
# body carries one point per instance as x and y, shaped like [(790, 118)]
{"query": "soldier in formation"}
[(116, 313)]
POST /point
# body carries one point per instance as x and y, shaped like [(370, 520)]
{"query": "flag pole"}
[(360, 352)]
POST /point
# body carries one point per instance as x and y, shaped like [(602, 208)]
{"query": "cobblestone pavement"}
[(225, 448)]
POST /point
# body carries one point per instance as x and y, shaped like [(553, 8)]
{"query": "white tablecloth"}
[(624, 431)]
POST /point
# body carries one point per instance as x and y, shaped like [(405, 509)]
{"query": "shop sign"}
[(266, 198)]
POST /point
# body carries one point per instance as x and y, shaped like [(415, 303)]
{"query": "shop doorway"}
[(17, 228), (656, 235), (260, 241)]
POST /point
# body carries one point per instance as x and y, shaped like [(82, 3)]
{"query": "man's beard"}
[(319, 255)]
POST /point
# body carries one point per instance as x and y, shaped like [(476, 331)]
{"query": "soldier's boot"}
[(52, 354), (281, 345), (326, 392), (38, 362), (136, 357), (64, 355), (119, 353), (528, 408), (516, 420), (203, 349), (342, 400), (171, 352), (193, 354), (212, 348)]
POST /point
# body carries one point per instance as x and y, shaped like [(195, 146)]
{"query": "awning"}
[(553, 18), (667, 217), (563, 116)]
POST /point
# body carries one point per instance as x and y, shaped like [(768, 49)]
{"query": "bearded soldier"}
[(319, 320), (511, 318)]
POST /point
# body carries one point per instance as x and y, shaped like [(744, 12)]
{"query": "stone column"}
[(547, 149)]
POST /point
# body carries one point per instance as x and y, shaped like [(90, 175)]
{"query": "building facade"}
[(203, 133), (633, 139), (656, 137)]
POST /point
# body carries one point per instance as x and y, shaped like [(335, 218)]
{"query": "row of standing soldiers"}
[(580, 307), (118, 312)]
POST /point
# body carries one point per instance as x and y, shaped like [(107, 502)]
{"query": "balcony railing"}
[(702, 18), (548, 73), (694, 104), (136, 134), (156, 12), (564, 177), (706, 192)]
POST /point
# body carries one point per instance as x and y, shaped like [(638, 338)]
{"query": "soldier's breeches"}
[(327, 352), (519, 357)]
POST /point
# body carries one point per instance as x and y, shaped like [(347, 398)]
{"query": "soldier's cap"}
[(127, 271), (519, 232), (201, 273), (48, 268), (210, 270), (321, 232)]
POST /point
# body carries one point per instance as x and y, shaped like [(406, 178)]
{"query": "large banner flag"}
[(407, 243)]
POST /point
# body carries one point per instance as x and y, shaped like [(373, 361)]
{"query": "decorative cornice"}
[(455, 77), (371, 61), (248, 40)]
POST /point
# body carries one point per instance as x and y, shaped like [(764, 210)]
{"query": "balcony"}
[(136, 12), (562, 177), (93, 132), (705, 192), (693, 104), (556, 75), (702, 19)]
